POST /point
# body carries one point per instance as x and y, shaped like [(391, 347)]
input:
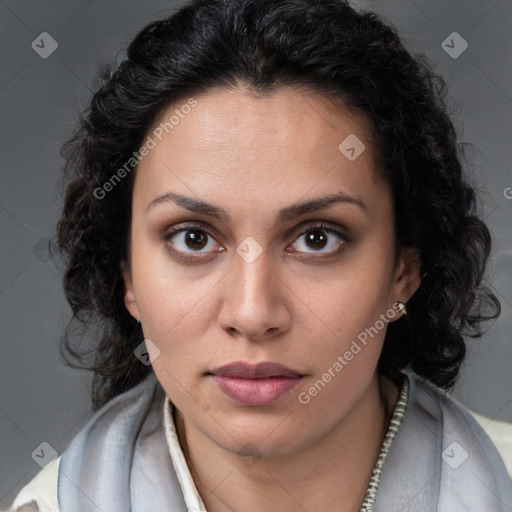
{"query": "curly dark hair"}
[(263, 44)]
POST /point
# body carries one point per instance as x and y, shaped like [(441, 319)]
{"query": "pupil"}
[(196, 238), (317, 237)]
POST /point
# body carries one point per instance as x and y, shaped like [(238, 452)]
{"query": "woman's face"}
[(229, 265)]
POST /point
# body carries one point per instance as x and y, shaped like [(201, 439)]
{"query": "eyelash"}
[(188, 227)]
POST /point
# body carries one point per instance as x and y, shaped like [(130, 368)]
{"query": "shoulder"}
[(40, 494), (490, 439), (122, 413), (500, 433), (471, 469)]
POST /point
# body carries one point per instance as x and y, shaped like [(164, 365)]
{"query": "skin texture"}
[(297, 304)]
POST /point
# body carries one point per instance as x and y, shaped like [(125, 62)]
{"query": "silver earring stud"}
[(400, 306)]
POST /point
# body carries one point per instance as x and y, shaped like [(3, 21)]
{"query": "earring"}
[(400, 306), (138, 321)]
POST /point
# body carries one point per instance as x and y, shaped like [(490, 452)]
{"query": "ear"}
[(407, 275), (129, 296)]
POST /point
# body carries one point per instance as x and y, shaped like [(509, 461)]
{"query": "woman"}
[(269, 194)]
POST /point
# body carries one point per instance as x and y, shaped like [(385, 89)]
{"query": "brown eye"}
[(316, 239), (190, 240), (195, 239), (319, 237)]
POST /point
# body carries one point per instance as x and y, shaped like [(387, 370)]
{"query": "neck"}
[(332, 474)]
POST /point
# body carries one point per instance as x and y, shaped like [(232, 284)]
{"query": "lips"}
[(243, 370), (255, 385)]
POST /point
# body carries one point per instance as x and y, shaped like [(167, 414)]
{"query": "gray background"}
[(44, 401)]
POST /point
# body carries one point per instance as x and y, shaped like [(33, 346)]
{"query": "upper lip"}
[(245, 370)]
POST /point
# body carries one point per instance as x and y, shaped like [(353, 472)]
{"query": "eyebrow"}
[(284, 215)]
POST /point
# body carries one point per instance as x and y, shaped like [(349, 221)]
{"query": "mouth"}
[(255, 385)]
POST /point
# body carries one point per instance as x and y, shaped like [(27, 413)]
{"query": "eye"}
[(192, 240), (319, 237)]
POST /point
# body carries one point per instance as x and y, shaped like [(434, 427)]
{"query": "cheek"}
[(351, 307), (355, 297), (170, 313), (173, 304), (163, 291)]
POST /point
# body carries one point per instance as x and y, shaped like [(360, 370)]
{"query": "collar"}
[(190, 493)]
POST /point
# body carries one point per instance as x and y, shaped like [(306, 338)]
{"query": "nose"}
[(255, 300)]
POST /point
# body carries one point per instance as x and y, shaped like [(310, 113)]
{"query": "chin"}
[(268, 438)]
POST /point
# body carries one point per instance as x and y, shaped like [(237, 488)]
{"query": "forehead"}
[(233, 118), (234, 140)]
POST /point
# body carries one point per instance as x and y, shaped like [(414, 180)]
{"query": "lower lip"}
[(256, 391)]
